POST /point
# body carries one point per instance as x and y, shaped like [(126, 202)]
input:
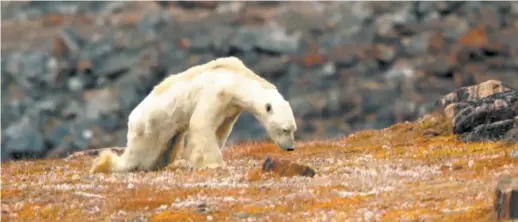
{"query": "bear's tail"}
[(105, 162)]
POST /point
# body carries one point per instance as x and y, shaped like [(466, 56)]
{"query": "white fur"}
[(198, 107)]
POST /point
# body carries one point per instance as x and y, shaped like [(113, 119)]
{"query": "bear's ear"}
[(268, 107)]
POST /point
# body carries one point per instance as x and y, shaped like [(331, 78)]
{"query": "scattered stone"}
[(318, 54), (506, 199), (68, 42), (22, 140), (285, 168)]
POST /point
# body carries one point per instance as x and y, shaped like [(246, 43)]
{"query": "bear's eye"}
[(268, 107)]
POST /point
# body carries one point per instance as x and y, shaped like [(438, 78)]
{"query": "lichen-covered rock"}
[(487, 111)]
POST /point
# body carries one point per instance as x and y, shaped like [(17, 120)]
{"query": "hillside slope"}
[(407, 172)]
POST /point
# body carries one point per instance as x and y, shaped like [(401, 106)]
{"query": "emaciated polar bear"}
[(204, 102)]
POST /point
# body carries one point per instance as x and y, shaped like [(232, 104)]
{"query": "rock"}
[(68, 42), (448, 7), (487, 111), (116, 64), (151, 22), (244, 40), (99, 102), (417, 44), (471, 93), (271, 67), (344, 56), (277, 41), (285, 168), (506, 199), (58, 134), (197, 4), (497, 107), (22, 140), (491, 131), (440, 66), (454, 27), (220, 39)]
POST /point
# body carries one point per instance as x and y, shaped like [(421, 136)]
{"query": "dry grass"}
[(408, 172)]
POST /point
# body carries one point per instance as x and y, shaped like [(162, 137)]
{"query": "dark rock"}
[(285, 168), (487, 111), (497, 107), (448, 7), (506, 199), (491, 131)]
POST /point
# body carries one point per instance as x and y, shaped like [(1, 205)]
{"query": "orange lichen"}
[(409, 171)]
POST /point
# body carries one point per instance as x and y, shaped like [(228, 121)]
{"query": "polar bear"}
[(202, 102)]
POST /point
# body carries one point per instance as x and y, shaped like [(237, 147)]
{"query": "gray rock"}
[(514, 153), (153, 21), (454, 27), (57, 135), (221, 36), (81, 135), (418, 44), (276, 40), (22, 140), (244, 39), (72, 40), (100, 101)]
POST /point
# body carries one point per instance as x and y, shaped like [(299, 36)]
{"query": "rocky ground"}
[(72, 71), (414, 171)]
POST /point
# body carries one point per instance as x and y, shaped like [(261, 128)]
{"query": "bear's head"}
[(276, 116)]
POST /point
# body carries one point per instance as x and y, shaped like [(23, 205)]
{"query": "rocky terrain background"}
[(72, 71)]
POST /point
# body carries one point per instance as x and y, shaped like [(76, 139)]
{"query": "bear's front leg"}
[(225, 129), (203, 143), (204, 150)]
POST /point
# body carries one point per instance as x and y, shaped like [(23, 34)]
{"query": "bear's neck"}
[(248, 96)]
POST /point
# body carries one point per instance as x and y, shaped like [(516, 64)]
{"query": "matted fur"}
[(229, 63)]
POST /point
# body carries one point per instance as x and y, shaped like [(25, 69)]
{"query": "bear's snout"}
[(287, 147)]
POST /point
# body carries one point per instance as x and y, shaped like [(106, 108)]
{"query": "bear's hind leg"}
[(171, 151)]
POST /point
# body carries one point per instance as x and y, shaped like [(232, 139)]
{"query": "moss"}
[(434, 176)]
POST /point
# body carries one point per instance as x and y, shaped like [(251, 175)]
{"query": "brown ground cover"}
[(408, 172)]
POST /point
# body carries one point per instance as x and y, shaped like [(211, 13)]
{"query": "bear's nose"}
[(287, 147)]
